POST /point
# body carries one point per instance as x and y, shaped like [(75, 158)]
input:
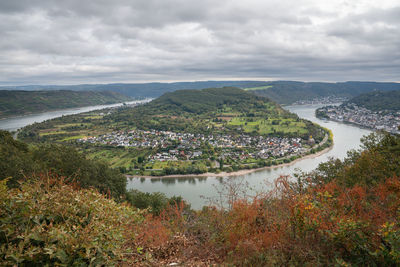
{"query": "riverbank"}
[(349, 123), (18, 122), (236, 173)]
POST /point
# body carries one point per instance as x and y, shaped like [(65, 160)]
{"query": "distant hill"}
[(138, 90), (283, 92), (25, 102), (288, 92), (378, 100)]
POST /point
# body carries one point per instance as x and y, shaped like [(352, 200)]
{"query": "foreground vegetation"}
[(344, 213), (14, 103)]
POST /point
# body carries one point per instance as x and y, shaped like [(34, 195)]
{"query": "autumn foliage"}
[(345, 213), (351, 218), (49, 222)]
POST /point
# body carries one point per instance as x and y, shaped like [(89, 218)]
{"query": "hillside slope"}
[(378, 100), (288, 92), (138, 90), (24, 102), (186, 131), (225, 110), (283, 92), (212, 110)]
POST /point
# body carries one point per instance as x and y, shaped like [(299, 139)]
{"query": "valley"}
[(188, 132)]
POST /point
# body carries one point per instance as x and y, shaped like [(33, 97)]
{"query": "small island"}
[(188, 132)]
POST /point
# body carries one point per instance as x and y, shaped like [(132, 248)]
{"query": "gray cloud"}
[(66, 42)]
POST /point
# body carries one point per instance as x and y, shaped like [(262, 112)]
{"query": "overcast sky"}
[(104, 41)]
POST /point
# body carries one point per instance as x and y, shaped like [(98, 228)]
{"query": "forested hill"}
[(25, 102), (225, 110), (202, 101), (287, 92), (210, 102), (137, 90), (283, 92), (378, 100)]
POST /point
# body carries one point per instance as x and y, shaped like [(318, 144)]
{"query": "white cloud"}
[(134, 41)]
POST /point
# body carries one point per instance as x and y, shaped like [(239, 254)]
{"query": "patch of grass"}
[(64, 125), (93, 117), (73, 138), (268, 126), (258, 88), (52, 133)]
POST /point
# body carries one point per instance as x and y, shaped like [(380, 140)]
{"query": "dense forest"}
[(378, 100), (288, 92), (282, 92), (138, 90), (344, 213), (15, 102)]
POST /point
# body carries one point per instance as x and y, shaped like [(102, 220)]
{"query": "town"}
[(322, 100), (351, 113), (171, 146)]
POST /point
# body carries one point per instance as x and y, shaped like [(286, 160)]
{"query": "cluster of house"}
[(380, 120), (188, 145), (322, 100)]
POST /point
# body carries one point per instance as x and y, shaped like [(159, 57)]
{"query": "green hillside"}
[(25, 102), (187, 131), (203, 101), (213, 110), (378, 100), (140, 90), (288, 92), (282, 92)]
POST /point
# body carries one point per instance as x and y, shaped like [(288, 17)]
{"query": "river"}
[(198, 191), (15, 123)]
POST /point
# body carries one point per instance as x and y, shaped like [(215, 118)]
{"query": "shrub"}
[(47, 222), (157, 202)]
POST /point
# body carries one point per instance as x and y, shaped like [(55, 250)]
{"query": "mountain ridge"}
[(14, 103), (283, 92)]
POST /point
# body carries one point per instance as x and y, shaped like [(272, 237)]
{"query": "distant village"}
[(379, 120), (322, 100), (173, 146)]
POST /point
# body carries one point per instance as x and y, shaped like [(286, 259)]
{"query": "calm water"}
[(197, 190), (13, 124)]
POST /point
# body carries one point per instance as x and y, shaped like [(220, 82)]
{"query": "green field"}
[(258, 88), (270, 126)]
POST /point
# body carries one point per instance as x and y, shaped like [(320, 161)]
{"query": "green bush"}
[(157, 201), (46, 222), (18, 161)]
